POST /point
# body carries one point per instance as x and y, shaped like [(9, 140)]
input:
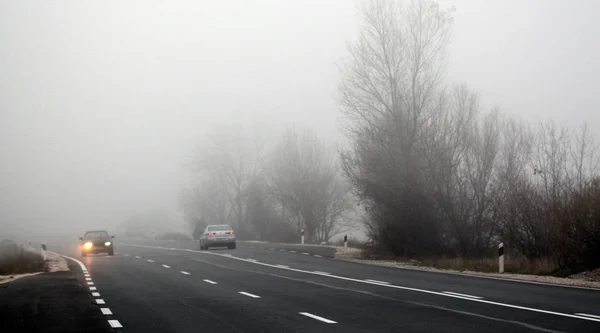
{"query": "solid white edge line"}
[(321, 273), (325, 320), (185, 273), (100, 301), (282, 266), (106, 311), (96, 294), (83, 268), (252, 260), (459, 294), (376, 281), (248, 294), (209, 281), (166, 266), (403, 288), (115, 324), (588, 315)]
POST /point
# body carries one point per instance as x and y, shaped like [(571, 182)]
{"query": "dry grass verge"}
[(522, 270), (21, 261)]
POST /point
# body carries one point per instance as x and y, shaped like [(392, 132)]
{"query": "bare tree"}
[(232, 158), (306, 180), (390, 94)]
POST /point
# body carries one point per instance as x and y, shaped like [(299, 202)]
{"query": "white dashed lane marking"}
[(185, 273), (248, 294), (209, 281), (293, 251), (126, 255), (149, 260), (325, 320), (99, 301), (282, 250), (166, 266), (305, 253), (271, 249), (137, 257), (463, 295)]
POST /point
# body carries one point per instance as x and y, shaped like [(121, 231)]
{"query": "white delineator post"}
[(501, 257), (302, 237), (44, 255), (345, 242)]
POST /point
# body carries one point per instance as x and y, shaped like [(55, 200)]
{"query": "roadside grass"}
[(21, 261), (513, 265), (489, 265)]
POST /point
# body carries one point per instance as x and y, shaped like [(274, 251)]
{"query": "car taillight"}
[(230, 233), (211, 233)]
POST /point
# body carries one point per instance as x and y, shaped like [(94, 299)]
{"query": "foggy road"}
[(150, 286)]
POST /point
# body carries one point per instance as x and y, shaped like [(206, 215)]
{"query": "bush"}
[(21, 261)]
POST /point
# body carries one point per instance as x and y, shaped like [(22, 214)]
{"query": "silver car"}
[(217, 235)]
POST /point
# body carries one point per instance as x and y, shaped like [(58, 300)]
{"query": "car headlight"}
[(107, 244), (88, 245)]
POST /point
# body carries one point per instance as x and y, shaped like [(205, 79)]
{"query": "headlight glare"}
[(88, 245), (107, 244)]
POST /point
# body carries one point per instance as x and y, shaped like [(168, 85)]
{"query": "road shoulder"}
[(50, 302)]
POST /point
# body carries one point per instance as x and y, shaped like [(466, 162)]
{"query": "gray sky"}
[(101, 102)]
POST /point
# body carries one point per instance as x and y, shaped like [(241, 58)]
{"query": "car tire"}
[(111, 252), (232, 246)]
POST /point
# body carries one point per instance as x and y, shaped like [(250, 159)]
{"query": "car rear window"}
[(219, 228)]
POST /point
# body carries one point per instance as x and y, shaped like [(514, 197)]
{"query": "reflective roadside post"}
[(345, 242), (501, 257), (44, 249), (302, 236)]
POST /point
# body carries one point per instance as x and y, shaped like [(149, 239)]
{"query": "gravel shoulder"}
[(580, 280)]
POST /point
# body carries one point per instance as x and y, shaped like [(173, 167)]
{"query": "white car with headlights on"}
[(97, 241)]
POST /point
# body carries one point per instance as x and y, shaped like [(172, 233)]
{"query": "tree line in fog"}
[(424, 167)]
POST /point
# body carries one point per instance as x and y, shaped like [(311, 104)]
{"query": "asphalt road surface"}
[(153, 286)]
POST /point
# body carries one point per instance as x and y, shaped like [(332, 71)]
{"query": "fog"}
[(102, 103)]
